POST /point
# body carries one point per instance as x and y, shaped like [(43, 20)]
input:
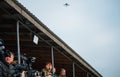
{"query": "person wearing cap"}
[(6, 68)]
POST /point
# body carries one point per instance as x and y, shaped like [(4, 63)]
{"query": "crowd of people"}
[(7, 68)]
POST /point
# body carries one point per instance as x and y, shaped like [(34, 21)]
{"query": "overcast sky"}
[(90, 27)]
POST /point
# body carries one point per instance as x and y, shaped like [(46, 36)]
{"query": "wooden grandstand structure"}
[(17, 28)]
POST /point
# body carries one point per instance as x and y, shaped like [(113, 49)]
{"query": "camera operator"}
[(6, 68)]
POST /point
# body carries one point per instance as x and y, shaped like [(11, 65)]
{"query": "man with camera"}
[(10, 68), (6, 58)]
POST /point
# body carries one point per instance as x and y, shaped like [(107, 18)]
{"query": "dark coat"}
[(6, 70)]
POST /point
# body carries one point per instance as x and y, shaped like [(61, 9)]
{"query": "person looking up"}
[(6, 68), (62, 73)]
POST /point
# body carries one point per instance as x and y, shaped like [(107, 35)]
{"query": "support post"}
[(52, 54), (18, 43), (73, 70)]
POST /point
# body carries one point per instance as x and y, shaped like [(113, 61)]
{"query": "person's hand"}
[(49, 76), (38, 76)]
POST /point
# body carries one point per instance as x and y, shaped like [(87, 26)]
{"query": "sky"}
[(90, 27)]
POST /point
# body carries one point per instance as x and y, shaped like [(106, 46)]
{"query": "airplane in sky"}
[(66, 4)]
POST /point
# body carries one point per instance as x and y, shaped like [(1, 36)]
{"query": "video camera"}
[(2, 45), (26, 61), (2, 49), (26, 65), (34, 73)]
